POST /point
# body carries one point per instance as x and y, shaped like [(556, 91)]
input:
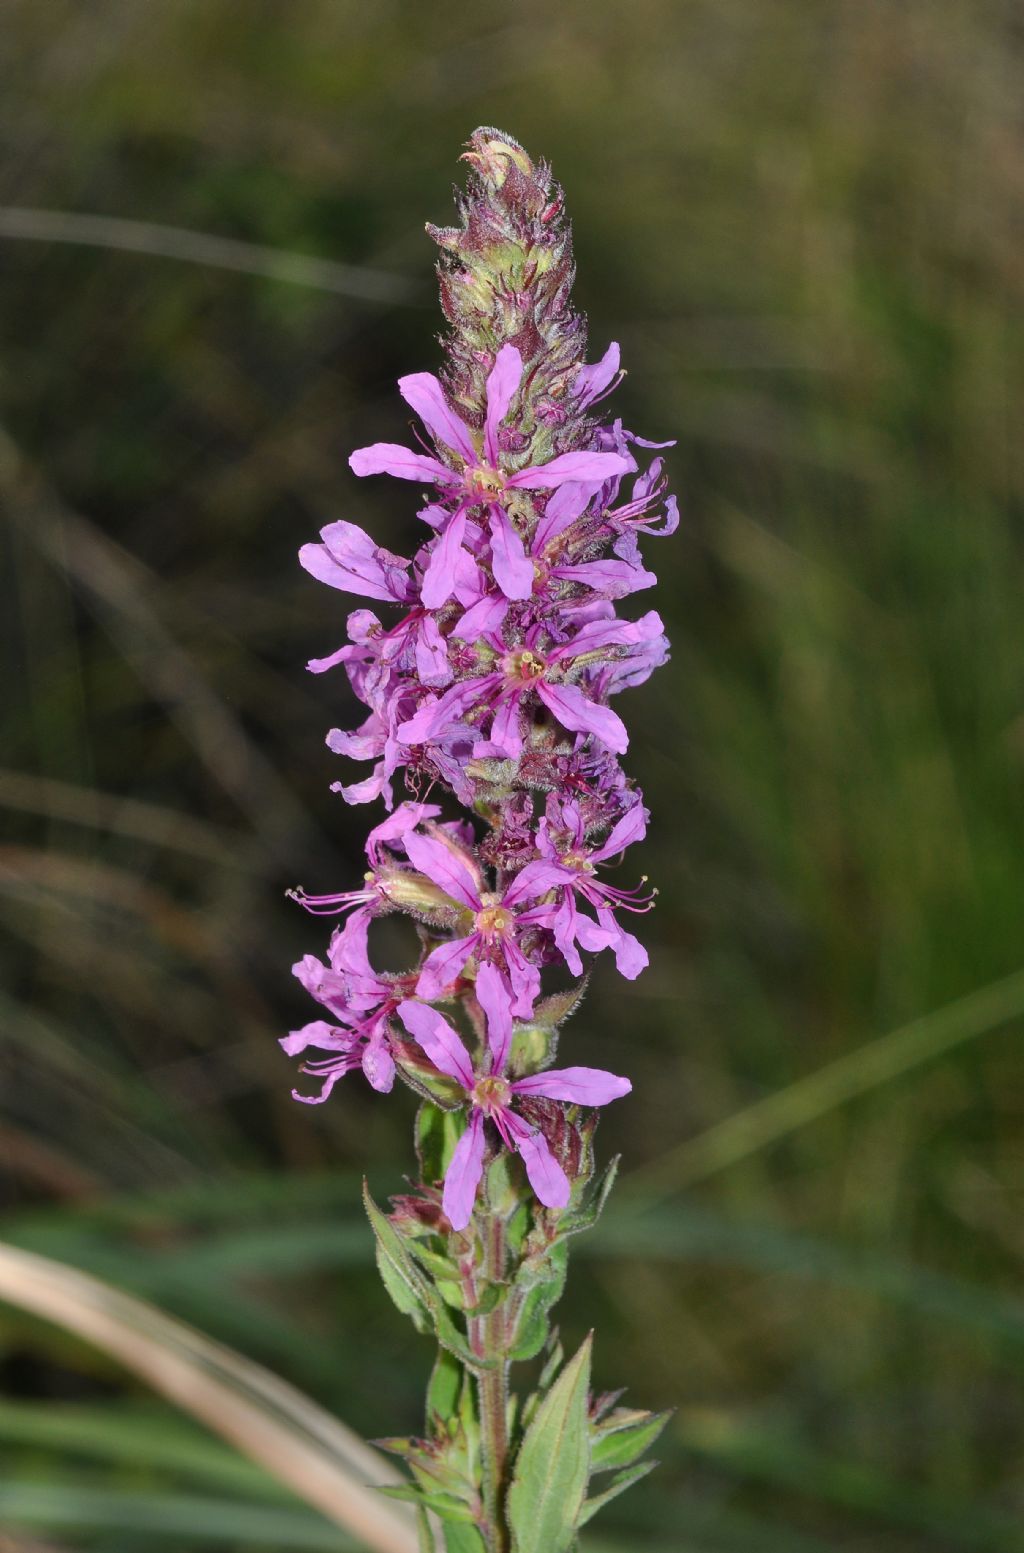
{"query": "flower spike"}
[(486, 670)]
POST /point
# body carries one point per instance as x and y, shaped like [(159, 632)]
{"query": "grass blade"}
[(875, 1063), (290, 1436)]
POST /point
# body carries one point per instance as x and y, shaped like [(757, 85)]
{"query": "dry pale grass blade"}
[(286, 1433), (89, 230)]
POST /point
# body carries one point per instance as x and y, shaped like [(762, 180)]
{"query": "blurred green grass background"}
[(804, 222)]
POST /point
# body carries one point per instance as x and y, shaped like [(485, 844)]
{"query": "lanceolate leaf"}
[(413, 1284), (619, 1444), (403, 1294), (618, 1485), (553, 1464)]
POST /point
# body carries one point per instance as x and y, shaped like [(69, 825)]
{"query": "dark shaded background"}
[(804, 222)]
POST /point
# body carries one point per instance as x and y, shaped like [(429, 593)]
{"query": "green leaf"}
[(463, 1539), (617, 1486), (437, 1133), (399, 1262), (619, 1444), (402, 1293), (554, 1359), (438, 1266), (447, 1506), (543, 1288), (443, 1390), (553, 1464)]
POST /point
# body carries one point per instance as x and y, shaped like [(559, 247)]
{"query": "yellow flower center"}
[(523, 665), (492, 1094), (485, 481), (578, 861), (493, 921)]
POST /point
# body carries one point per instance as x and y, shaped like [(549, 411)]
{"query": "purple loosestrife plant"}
[(491, 680)]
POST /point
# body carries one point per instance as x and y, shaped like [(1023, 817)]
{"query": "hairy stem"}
[(489, 1343)]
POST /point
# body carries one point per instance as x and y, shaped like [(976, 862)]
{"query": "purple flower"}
[(495, 924), (348, 559), (561, 837), (532, 669), (492, 1096), (361, 1002), (475, 476)]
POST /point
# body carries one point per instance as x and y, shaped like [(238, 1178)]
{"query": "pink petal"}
[(436, 713), (505, 740), (432, 664), (632, 827), (592, 937), (443, 964), (442, 1044), (379, 1065), (577, 712), (494, 999), (590, 383), (483, 617), (445, 867), (359, 745), (536, 879), (524, 980), (630, 955), (343, 654), (564, 506), (615, 579), (439, 577), (585, 468), (546, 1175), (513, 570), (597, 635), (502, 382), (349, 947), (391, 458), (309, 972), (368, 789), (464, 1172), (330, 1079), (317, 1033), (405, 818), (581, 1086), (564, 927), (348, 559), (424, 393)]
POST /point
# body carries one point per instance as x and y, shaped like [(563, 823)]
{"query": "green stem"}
[(489, 1343)]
